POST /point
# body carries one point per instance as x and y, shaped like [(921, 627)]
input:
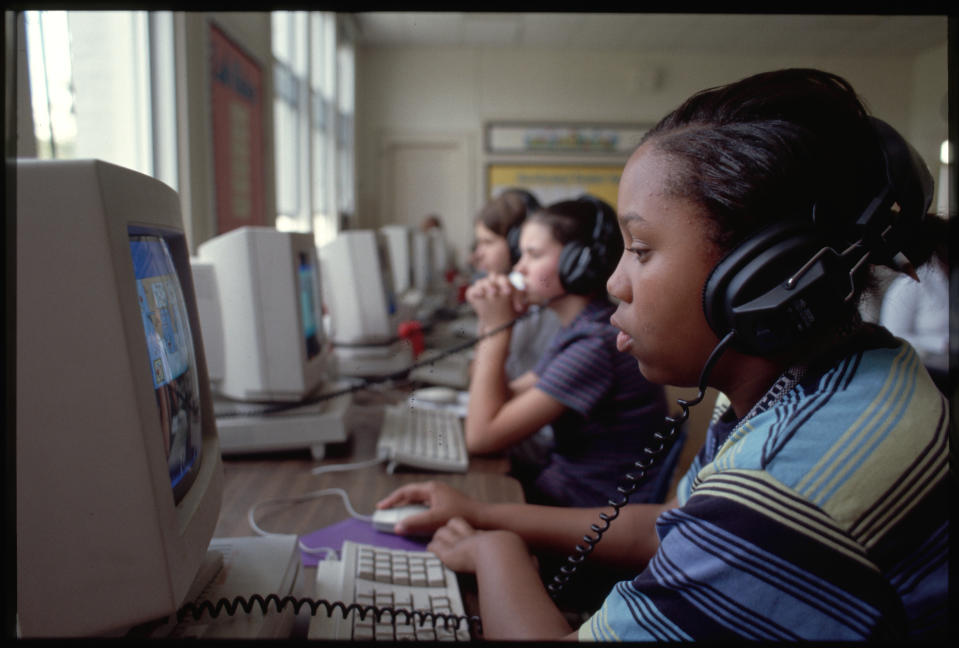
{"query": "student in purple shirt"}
[(602, 411)]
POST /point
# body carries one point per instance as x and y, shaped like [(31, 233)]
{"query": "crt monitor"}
[(440, 257), (358, 287), (271, 328), (118, 472), (422, 256), (399, 239)]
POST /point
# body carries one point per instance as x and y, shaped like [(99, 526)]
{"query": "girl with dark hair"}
[(818, 506), (593, 397)]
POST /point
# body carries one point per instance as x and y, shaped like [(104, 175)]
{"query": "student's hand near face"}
[(495, 301), (445, 503)]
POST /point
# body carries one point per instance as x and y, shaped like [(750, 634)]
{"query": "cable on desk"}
[(319, 470), (297, 499), (231, 606)]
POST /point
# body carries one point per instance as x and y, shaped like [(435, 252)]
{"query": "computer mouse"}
[(442, 395), (385, 519)]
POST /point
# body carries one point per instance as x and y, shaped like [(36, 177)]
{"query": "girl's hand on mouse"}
[(445, 503)]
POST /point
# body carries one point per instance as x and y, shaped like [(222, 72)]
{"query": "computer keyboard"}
[(388, 578), (422, 438)]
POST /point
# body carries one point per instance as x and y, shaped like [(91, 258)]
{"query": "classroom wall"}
[(418, 91)]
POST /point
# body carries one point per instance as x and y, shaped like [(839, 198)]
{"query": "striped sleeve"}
[(581, 373), (747, 559)]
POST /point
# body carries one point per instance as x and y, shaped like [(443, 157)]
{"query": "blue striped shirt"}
[(612, 413), (824, 517)]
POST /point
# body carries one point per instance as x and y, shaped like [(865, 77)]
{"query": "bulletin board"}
[(552, 182), (236, 97)]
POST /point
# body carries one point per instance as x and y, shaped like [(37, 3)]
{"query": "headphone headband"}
[(584, 266), (787, 279), (512, 234)]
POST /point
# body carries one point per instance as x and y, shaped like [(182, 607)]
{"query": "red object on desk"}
[(412, 331)]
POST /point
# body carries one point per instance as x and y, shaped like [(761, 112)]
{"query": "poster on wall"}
[(236, 96), (553, 182), (524, 137)]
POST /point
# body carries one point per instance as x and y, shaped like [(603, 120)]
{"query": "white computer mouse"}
[(442, 395), (385, 519)]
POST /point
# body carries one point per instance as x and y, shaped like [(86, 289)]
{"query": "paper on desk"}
[(357, 531)]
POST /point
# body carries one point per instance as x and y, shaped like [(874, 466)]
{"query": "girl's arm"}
[(495, 419), (523, 383), (630, 542)]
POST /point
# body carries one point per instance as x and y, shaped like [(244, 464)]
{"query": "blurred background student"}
[(495, 251)]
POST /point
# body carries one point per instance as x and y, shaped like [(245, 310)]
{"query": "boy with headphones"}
[(817, 508), (600, 408)]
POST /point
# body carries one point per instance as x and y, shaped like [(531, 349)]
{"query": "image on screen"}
[(307, 306), (172, 361)]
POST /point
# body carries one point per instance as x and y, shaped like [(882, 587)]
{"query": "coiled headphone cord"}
[(666, 439), (230, 607)]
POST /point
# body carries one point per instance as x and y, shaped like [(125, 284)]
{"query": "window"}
[(943, 194), (344, 131), (289, 104), (101, 86), (323, 95), (308, 85)]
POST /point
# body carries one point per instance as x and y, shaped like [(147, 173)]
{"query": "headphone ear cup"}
[(575, 263), (584, 267), (747, 291), (512, 240)]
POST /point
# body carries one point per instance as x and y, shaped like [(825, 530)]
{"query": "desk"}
[(254, 478)]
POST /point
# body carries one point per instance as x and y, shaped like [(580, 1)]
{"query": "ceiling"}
[(856, 35)]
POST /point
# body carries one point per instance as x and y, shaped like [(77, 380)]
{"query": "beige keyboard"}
[(388, 578), (422, 438)]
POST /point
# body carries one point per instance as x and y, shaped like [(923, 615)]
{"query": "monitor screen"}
[(306, 275), (172, 360)]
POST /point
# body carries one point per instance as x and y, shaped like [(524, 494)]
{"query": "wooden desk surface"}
[(249, 479)]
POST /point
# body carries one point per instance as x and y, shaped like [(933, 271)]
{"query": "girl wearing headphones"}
[(817, 509), (593, 397)]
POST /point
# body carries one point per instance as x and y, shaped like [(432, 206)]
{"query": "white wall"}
[(426, 90)]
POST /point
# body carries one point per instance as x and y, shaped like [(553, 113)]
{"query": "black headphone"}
[(512, 234), (584, 266), (788, 278)]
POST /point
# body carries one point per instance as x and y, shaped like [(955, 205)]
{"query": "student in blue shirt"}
[(818, 507)]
